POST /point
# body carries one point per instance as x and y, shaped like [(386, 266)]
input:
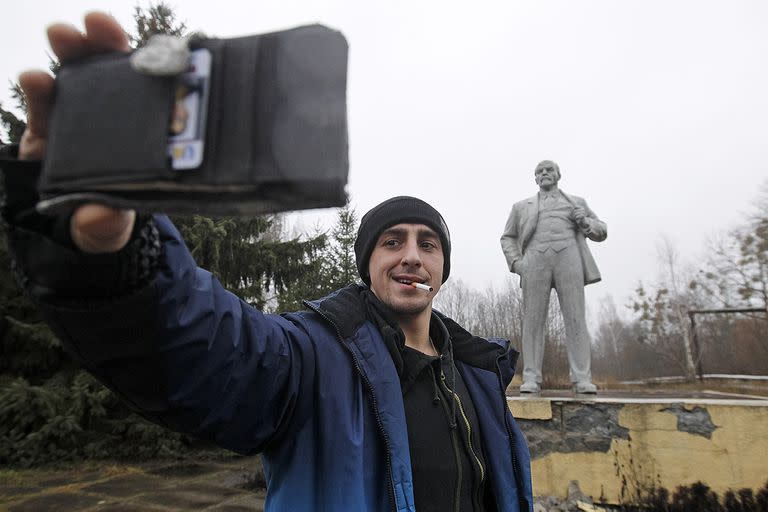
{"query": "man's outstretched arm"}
[(130, 304)]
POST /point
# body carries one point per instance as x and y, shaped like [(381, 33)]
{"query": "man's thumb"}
[(100, 229)]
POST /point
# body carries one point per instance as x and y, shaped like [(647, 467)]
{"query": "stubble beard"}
[(407, 310)]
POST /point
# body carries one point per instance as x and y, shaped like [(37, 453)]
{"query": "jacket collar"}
[(347, 310), (344, 309)]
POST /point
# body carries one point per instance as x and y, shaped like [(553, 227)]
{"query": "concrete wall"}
[(618, 449)]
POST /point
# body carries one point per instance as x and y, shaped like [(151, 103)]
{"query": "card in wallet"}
[(267, 114)]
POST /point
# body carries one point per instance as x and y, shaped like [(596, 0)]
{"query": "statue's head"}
[(547, 174)]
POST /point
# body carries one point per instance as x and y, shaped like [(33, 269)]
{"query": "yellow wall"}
[(657, 453)]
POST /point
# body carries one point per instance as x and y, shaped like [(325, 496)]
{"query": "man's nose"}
[(411, 255)]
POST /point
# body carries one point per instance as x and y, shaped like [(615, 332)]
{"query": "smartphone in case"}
[(186, 139)]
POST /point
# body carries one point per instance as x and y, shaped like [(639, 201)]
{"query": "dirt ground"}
[(224, 484)]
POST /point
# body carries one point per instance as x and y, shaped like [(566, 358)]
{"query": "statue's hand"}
[(580, 217)]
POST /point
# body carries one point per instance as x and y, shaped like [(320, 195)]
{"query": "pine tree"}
[(36, 420), (312, 279), (250, 259), (37, 353), (156, 19), (8, 120), (343, 247), (329, 265)]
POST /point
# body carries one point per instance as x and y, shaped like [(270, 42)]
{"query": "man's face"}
[(406, 253), (546, 175)]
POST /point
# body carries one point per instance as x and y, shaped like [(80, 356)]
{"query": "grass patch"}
[(10, 477)]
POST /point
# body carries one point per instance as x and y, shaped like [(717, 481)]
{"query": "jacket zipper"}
[(455, 445), (369, 386), (515, 463), (468, 426), (476, 493)]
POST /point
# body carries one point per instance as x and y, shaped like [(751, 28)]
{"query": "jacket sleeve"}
[(181, 349), (509, 239)]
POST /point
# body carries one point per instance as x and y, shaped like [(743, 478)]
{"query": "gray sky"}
[(655, 110)]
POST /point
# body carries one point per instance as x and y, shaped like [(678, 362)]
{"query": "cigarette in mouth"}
[(421, 286)]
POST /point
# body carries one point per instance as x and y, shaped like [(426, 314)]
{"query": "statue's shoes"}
[(584, 387), (530, 387)]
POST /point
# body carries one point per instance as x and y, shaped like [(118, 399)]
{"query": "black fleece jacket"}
[(447, 459)]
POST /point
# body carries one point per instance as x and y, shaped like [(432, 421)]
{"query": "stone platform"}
[(620, 445)]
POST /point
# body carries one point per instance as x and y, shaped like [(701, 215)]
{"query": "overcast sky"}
[(656, 111)]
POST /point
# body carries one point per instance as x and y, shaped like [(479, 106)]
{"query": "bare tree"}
[(663, 310), (736, 273), (610, 329), (456, 301)]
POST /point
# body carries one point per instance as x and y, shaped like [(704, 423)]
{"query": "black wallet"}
[(275, 130)]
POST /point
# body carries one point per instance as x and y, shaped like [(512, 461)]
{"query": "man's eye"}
[(391, 243), (428, 245)]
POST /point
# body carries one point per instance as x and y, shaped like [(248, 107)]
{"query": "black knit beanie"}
[(398, 210)]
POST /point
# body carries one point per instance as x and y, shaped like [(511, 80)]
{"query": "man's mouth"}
[(415, 284)]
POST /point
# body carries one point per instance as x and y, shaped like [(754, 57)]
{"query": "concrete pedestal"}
[(620, 448)]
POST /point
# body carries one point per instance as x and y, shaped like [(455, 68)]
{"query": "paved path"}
[(228, 485)]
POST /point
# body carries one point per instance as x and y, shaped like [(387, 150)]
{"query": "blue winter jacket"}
[(315, 392)]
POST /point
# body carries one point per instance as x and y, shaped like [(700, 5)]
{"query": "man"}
[(544, 242), (370, 400)]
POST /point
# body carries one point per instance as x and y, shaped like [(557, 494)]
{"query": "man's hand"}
[(95, 228)]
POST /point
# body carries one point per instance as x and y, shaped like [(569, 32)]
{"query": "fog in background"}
[(655, 111)]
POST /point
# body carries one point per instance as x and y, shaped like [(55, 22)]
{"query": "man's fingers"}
[(104, 33), (67, 42), (38, 92)]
